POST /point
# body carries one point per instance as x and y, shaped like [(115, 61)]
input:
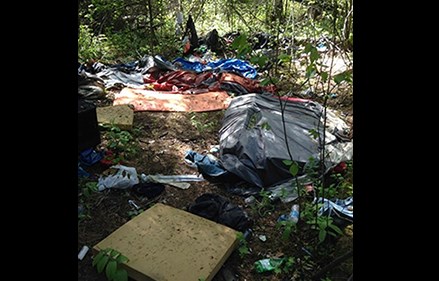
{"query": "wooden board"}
[(168, 244)]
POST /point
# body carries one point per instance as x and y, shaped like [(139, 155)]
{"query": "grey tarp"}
[(252, 139)]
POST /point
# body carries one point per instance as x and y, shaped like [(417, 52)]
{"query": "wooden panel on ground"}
[(168, 244), (121, 116)]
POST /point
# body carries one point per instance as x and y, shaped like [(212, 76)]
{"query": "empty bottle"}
[(294, 214), (265, 265)]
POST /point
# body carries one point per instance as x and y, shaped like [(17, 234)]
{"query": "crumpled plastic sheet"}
[(127, 74), (342, 208), (113, 77), (287, 191), (179, 181), (124, 178)]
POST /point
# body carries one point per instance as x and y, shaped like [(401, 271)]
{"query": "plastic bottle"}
[(294, 214), (265, 265)]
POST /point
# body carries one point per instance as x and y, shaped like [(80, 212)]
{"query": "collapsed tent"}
[(252, 138)]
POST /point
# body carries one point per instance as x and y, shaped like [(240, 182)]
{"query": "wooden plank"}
[(168, 244)]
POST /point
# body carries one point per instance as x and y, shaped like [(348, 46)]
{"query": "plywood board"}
[(168, 244)]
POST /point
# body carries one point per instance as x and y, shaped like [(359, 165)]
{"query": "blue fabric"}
[(82, 173), (205, 164), (188, 65), (235, 65), (89, 157), (339, 207)]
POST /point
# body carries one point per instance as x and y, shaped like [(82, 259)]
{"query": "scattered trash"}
[(207, 164), (148, 189), (263, 238), (309, 187), (287, 191), (89, 157), (214, 149), (250, 200), (227, 274), (218, 209), (83, 252), (179, 181), (133, 204), (248, 232), (292, 216), (341, 211), (80, 210), (266, 265), (124, 178), (82, 173), (306, 251)]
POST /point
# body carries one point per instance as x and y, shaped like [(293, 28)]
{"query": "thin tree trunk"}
[(153, 40)]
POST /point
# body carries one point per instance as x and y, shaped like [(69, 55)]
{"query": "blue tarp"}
[(232, 65)]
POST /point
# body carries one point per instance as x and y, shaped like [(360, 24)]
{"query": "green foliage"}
[(92, 47), (288, 228), (89, 188), (242, 47), (110, 260), (259, 60), (263, 206), (288, 264), (344, 76), (134, 213), (120, 141), (200, 120), (294, 167), (243, 249), (324, 225)]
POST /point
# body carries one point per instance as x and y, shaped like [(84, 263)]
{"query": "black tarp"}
[(252, 139)]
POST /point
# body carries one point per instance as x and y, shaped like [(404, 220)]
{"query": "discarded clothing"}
[(90, 157), (206, 164), (145, 100), (82, 173), (233, 65), (190, 82), (252, 138), (220, 210)]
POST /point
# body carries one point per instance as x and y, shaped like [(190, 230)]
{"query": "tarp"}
[(252, 139), (146, 100), (234, 65)]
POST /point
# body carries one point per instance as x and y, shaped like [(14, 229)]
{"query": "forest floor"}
[(162, 139)]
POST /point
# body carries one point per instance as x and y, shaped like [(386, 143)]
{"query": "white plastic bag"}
[(124, 178)]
